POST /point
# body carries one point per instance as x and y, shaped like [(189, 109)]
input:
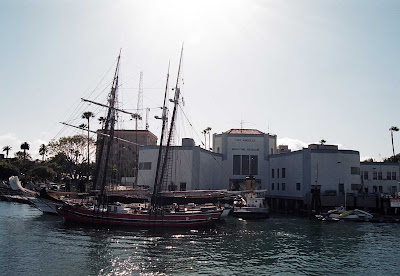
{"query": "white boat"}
[(341, 213), (251, 206)]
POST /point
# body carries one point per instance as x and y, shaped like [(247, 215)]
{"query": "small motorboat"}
[(341, 213), (251, 206)]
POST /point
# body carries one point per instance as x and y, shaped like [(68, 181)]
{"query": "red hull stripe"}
[(89, 216)]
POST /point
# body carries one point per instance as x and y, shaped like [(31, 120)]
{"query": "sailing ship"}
[(154, 215)]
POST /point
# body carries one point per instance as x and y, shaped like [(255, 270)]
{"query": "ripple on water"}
[(34, 244)]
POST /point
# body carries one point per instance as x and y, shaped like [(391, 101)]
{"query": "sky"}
[(303, 70)]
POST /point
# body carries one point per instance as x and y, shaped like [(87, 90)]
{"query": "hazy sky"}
[(303, 70)]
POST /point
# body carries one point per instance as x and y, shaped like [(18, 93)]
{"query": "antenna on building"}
[(139, 110), (147, 118)]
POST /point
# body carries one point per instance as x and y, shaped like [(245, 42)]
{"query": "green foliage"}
[(7, 149), (22, 156), (25, 146), (7, 170), (392, 159), (43, 173), (43, 150), (369, 160), (69, 156)]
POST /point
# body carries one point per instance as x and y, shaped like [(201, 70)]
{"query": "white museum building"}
[(239, 153)]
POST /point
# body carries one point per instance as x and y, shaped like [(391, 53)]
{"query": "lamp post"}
[(137, 117)]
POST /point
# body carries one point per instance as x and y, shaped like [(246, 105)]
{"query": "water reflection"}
[(36, 244)]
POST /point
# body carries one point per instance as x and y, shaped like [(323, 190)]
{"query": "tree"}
[(322, 141), (88, 115), (70, 152), (393, 128), (102, 120), (43, 173), (25, 146), (7, 170), (205, 138), (392, 159), (22, 156), (43, 150), (208, 130), (369, 160), (7, 149)]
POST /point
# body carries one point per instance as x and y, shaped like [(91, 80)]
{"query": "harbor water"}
[(32, 243)]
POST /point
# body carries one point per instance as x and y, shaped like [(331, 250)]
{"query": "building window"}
[(283, 172), (182, 186), (393, 175), (277, 186), (283, 186), (394, 190), (254, 165), (236, 164), (341, 188), (365, 174), (172, 187), (245, 165), (272, 173), (145, 166), (355, 170), (277, 174), (380, 189), (388, 176), (218, 149), (298, 186), (355, 187), (374, 175), (366, 190), (272, 186), (379, 175)]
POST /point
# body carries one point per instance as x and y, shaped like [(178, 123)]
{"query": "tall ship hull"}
[(145, 219)]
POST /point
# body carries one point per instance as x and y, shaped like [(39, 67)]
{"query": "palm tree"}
[(7, 149), (25, 146), (88, 115), (43, 151), (322, 141), (102, 121), (208, 130), (393, 128), (205, 138)]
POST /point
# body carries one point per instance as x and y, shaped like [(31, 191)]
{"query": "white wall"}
[(387, 185), (198, 168), (210, 173), (334, 167), (293, 163)]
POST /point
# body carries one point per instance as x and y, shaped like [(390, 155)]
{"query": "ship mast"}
[(157, 180), (171, 128), (107, 138)]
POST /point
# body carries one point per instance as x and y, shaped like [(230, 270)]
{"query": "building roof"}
[(244, 131), (133, 131)]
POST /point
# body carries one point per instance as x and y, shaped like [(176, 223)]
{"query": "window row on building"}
[(278, 175), (174, 187), (378, 175), (245, 164), (282, 186)]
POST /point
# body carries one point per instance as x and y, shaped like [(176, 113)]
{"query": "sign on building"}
[(394, 202)]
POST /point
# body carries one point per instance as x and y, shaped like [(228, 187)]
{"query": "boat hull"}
[(152, 219), (250, 213)]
